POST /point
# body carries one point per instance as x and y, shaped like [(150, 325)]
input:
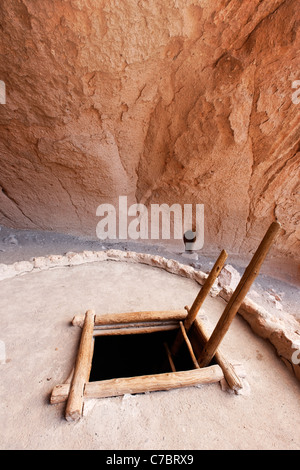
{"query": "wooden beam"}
[(170, 359), (133, 317), (198, 302), (82, 369), (153, 383), (135, 330), (238, 296), (189, 345), (143, 324), (60, 394), (205, 290), (142, 384)]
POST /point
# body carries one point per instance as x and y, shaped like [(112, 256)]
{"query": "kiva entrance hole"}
[(135, 355)]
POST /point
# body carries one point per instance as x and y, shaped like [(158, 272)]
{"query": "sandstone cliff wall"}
[(161, 100)]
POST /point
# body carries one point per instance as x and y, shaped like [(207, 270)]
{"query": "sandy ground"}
[(35, 315)]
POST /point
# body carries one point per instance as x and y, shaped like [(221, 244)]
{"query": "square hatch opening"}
[(136, 355)]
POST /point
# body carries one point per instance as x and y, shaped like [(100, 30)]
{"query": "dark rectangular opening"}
[(135, 355)]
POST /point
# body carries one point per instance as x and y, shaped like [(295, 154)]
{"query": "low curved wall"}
[(283, 333)]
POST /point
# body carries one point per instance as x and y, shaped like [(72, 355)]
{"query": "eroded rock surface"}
[(163, 101)]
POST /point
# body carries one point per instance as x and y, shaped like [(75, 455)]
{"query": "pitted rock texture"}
[(177, 101)]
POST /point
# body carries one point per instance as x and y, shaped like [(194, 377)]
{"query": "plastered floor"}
[(40, 347)]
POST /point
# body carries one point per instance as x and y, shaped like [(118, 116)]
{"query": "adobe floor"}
[(35, 315)]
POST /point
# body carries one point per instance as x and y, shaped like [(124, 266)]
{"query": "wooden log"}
[(153, 383), (193, 312), (230, 375), (238, 296), (136, 325), (135, 331), (189, 345), (198, 302), (202, 335), (170, 359), (82, 369), (133, 317), (60, 394), (143, 384), (55, 395)]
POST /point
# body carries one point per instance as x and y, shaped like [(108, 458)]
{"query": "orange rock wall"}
[(164, 101)]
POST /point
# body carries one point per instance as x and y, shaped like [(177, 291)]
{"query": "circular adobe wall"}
[(282, 331)]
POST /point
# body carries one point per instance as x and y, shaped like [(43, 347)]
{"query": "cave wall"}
[(164, 101)]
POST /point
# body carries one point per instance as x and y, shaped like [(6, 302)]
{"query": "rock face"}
[(177, 101)]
